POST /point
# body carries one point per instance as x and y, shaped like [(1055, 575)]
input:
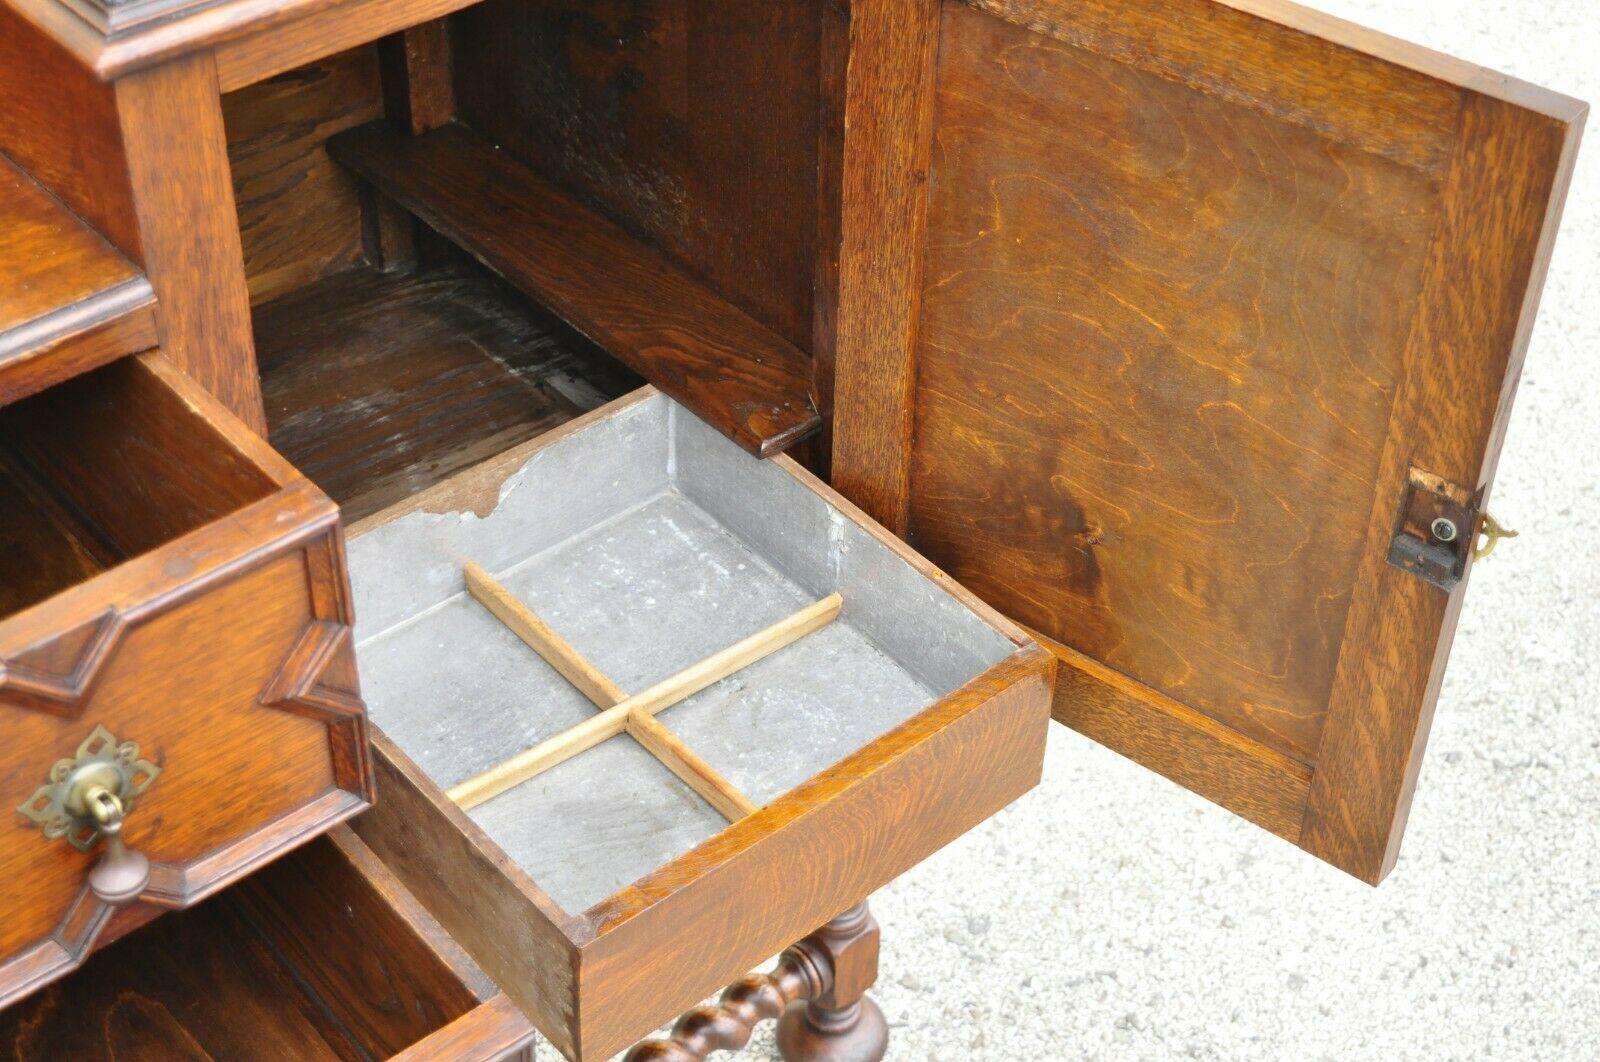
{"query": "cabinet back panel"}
[(693, 124), (299, 212)]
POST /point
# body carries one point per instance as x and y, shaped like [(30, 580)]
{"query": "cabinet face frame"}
[(1487, 160)]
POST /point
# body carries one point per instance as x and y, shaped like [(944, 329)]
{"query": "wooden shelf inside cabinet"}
[(739, 376), (71, 302)]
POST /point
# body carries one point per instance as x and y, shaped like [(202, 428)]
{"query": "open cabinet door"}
[(1222, 307)]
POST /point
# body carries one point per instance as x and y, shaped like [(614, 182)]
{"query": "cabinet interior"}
[(105, 467), (428, 291), (317, 956)]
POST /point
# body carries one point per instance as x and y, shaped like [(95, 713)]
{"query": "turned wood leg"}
[(817, 990), (841, 1023)]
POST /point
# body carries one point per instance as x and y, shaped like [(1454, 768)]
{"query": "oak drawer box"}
[(604, 894), (175, 632), (324, 955)]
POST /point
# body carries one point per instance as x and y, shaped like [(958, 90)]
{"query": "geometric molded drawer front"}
[(212, 631)]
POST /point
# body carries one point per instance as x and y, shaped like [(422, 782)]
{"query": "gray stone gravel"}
[(1110, 915)]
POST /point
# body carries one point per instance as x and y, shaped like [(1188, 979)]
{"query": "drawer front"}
[(209, 680)]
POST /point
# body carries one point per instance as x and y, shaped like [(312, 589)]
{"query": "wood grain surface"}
[(80, 161), (71, 301), (703, 920), (483, 900), (378, 385), (176, 152), (743, 379), (195, 604), (691, 123), (44, 546), (1501, 209), (418, 91), (887, 98), (52, 261), (299, 211), (324, 955), (1194, 297), (1160, 459)]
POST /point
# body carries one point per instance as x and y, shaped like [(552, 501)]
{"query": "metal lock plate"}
[(1438, 526)]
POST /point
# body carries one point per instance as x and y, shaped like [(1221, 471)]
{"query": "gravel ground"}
[(1111, 915)]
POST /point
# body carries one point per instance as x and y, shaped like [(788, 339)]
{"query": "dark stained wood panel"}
[(692, 123), (65, 286), (1198, 293), (61, 125), (320, 956), (42, 549), (299, 211), (378, 385), (197, 985), (740, 377)]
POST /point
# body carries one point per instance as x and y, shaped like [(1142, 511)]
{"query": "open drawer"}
[(604, 893), (174, 654), (324, 955)]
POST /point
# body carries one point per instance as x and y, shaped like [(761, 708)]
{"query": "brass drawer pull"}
[(88, 797)]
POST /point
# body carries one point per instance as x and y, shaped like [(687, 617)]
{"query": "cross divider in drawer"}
[(604, 893), (621, 713)]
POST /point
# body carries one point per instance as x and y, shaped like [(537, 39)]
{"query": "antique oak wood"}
[(418, 94), (142, 162), (299, 211), (324, 955), (1201, 284), (72, 302), (207, 621), (379, 385), (815, 989), (595, 981), (79, 161), (616, 718), (685, 121), (176, 154), (747, 381), (1142, 318), (887, 98), (641, 725)]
